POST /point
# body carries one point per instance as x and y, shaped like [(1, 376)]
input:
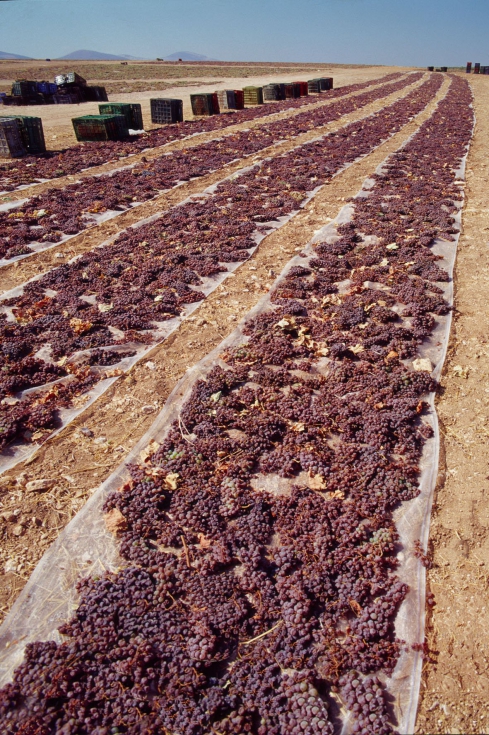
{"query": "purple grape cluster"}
[(149, 274), (243, 607)]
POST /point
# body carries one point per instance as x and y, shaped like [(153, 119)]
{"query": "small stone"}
[(148, 409), (10, 566), (18, 530), (9, 516), (100, 440), (150, 365), (422, 364), (36, 486), (86, 432)]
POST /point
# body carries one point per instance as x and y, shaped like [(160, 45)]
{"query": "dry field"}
[(455, 683)]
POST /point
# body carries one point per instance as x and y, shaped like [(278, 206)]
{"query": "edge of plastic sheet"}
[(16, 453), (98, 219), (85, 547)]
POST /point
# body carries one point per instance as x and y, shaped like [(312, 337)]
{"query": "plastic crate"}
[(166, 111), (253, 95), (31, 132), (70, 78), (202, 104), (67, 99), (302, 88), (431, 68), (11, 145), (468, 68), (477, 68), (23, 88), (239, 99), (226, 99), (291, 91), (100, 127), (445, 68), (94, 94), (46, 87), (272, 93), (132, 113), (314, 86), (326, 83)]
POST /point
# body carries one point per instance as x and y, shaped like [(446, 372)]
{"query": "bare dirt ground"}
[(455, 688), (31, 521), (56, 119)]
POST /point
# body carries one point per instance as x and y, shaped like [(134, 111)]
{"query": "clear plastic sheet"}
[(19, 452), (86, 548), (97, 219)]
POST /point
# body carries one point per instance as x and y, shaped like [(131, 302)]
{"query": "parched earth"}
[(455, 685)]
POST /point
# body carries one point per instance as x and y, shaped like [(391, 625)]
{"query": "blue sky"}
[(403, 32)]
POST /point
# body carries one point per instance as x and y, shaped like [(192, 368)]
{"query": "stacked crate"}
[(31, 133), (226, 99), (431, 68), (166, 111), (302, 88), (271, 93), (253, 95), (468, 68), (239, 99), (94, 94), (131, 111), (477, 68), (326, 83), (445, 68), (11, 145), (291, 91), (100, 127), (203, 104), (314, 86)]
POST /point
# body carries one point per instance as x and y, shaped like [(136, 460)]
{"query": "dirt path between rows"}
[(176, 145), (455, 689), (22, 270), (87, 451)]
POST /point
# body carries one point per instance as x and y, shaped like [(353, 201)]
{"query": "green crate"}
[(253, 95), (11, 145), (131, 111), (32, 134), (100, 127)]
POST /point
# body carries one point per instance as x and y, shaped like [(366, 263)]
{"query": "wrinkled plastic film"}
[(86, 548)]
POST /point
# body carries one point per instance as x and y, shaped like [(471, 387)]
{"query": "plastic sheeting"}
[(86, 548)]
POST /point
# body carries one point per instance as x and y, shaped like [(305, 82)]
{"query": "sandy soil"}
[(58, 129), (122, 415), (20, 271), (455, 689)]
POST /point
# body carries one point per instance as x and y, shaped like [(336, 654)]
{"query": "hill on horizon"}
[(6, 55), (87, 55), (187, 56)]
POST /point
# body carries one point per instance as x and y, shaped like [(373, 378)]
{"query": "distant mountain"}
[(85, 55), (187, 56), (6, 55)]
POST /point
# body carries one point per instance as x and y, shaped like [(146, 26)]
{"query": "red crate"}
[(239, 99), (215, 104)]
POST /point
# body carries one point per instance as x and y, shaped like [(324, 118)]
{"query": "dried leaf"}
[(115, 521)]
